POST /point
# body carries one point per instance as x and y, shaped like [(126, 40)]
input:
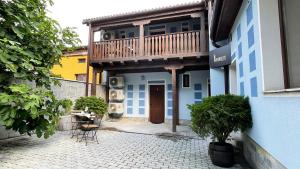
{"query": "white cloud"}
[(71, 12)]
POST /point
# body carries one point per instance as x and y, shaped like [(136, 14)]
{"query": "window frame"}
[(184, 25), (283, 45), (81, 60), (80, 74), (182, 80)]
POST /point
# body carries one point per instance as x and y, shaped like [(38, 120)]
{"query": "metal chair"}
[(76, 122), (89, 130)]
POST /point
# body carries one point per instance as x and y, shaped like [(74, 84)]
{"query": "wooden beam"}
[(149, 65), (145, 57), (107, 86), (93, 85), (175, 114), (141, 46), (90, 46), (203, 38)]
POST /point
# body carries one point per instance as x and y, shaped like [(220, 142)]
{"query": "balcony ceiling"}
[(152, 14), (225, 12)]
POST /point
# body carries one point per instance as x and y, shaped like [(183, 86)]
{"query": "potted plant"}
[(65, 118), (217, 117), (92, 104)]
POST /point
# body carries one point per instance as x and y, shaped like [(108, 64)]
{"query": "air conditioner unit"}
[(116, 95), (116, 108), (116, 82), (107, 36)]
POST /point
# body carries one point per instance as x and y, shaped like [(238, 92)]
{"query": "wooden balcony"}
[(175, 45)]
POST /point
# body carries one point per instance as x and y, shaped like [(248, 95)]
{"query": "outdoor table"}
[(80, 118)]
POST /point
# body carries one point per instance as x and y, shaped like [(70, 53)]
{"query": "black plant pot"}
[(221, 154), (115, 115)]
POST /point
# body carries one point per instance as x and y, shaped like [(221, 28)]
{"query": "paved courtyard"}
[(115, 150)]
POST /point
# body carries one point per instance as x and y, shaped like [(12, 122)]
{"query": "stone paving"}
[(115, 150)]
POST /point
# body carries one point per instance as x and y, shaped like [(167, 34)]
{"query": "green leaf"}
[(18, 32)]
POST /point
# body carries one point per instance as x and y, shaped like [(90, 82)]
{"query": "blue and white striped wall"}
[(137, 92)]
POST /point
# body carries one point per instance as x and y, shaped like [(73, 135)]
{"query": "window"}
[(173, 29), (290, 26), (196, 27), (131, 34), (122, 34), (81, 60), (157, 30), (185, 80), (185, 27), (81, 77)]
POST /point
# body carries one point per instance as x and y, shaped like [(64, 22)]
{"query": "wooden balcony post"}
[(174, 71), (141, 52), (90, 53), (94, 85), (141, 37), (203, 38)]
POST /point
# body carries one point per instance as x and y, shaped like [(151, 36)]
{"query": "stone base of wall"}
[(258, 157), (5, 134), (65, 123)]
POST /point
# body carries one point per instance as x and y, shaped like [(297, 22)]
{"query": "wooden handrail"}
[(181, 43)]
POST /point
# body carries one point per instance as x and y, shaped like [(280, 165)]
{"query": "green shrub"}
[(218, 116), (94, 104), (67, 104)]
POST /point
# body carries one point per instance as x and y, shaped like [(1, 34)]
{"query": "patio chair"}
[(89, 130), (76, 122)]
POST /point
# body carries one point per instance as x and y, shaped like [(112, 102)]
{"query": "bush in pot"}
[(67, 104), (217, 117), (93, 104)]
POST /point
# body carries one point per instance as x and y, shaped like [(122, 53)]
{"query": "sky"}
[(70, 13)]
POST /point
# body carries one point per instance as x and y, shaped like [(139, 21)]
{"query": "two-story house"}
[(161, 53)]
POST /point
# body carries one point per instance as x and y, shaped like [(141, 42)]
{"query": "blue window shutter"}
[(239, 33), (169, 87), (241, 69), (142, 87), (252, 61), (242, 89), (170, 112), (198, 86), (253, 83), (249, 13), (240, 50), (130, 87), (250, 37), (141, 110), (129, 110), (198, 95)]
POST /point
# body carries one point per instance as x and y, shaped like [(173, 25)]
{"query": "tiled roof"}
[(143, 12)]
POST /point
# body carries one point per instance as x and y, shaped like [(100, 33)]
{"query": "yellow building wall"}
[(70, 66)]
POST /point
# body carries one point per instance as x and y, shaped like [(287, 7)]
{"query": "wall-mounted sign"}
[(220, 56)]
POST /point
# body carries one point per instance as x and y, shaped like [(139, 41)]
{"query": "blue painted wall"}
[(276, 117), (137, 95), (217, 81)]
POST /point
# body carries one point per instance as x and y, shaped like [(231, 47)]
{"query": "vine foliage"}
[(30, 44)]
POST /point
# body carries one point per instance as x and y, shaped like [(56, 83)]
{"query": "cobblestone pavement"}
[(115, 150)]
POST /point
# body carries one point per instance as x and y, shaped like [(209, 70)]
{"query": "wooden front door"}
[(157, 103)]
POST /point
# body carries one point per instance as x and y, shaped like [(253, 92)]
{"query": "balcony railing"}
[(157, 46)]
